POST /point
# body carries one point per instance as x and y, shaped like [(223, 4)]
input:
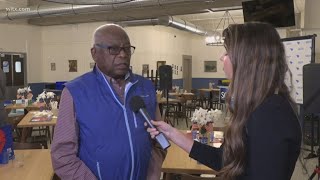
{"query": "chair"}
[(216, 101), (204, 100), (184, 109), (43, 135), (14, 121), (169, 110), (17, 145), (196, 98), (41, 138), (190, 104)]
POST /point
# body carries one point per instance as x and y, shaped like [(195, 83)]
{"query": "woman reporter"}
[(263, 138)]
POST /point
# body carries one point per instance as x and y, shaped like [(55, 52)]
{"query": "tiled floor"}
[(300, 173)]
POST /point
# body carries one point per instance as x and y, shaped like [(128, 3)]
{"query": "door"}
[(187, 72), (13, 65)]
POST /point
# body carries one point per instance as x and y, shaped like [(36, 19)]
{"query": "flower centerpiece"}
[(159, 95), (46, 99), (204, 119), (24, 93)]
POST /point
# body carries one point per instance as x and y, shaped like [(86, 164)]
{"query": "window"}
[(18, 67), (6, 66)]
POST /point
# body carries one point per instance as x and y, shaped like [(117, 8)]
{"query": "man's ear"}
[(93, 53)]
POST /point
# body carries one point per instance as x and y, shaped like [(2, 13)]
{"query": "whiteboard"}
[(299, 52)]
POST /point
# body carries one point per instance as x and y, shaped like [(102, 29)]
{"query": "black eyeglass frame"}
[(115, 50)]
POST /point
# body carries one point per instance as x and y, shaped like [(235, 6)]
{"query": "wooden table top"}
[(36, 166), (180, 94), (25, 122), (22, 106), (178, 161), (208, 90), (170, 100)]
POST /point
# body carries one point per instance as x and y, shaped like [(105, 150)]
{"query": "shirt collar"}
[(110, 79)]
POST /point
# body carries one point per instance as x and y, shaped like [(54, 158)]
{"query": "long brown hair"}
[(259, 67)]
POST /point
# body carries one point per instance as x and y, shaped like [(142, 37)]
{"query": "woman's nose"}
[(221, 57)]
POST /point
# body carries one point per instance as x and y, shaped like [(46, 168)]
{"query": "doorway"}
[(187, 72), (13, 66)]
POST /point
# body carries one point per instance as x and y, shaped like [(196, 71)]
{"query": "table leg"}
[(210, 99), (25, 133), (52, 133), (167, 176)]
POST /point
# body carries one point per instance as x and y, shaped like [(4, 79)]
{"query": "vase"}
[(204, 139), (195, 126), (194, 130), (211, 137), (25, 102), (30, 102), (203, 130), (209, 127), (45, 106)]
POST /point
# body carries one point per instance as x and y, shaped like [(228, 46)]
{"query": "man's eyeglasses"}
[(115, 50)]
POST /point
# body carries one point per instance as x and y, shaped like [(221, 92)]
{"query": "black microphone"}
[(137, 105)]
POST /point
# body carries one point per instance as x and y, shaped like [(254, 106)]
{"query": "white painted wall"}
[(311, 18), (202, 53), (159, 43), (312, 23), (58, 44), (153, 43), (63, 43), (13, 3), (22, 38)]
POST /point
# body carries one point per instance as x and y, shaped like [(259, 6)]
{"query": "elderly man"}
[(97, 135)]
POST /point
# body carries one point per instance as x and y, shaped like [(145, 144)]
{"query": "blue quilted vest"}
[(113, 141)]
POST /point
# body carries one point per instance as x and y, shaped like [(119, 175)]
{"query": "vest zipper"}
[(135, 119), (128, 86), (98, 168), (130, 141), (127, 125)]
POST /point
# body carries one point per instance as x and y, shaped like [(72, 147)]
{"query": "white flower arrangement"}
[(158, 95), (23, 92), (54, 104), (203, 116), (45, 96), (158, 92)]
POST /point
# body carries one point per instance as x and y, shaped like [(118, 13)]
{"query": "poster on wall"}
[(53, 66), (160, 63), (145, 68), (210, 66), (73, 67), (299, 52)]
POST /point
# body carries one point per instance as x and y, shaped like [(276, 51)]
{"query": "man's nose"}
[(123, 53)]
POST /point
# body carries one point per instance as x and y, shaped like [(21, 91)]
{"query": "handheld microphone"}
[(137, 105)]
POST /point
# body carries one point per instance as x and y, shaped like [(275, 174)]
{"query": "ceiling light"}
[(215, 38)]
